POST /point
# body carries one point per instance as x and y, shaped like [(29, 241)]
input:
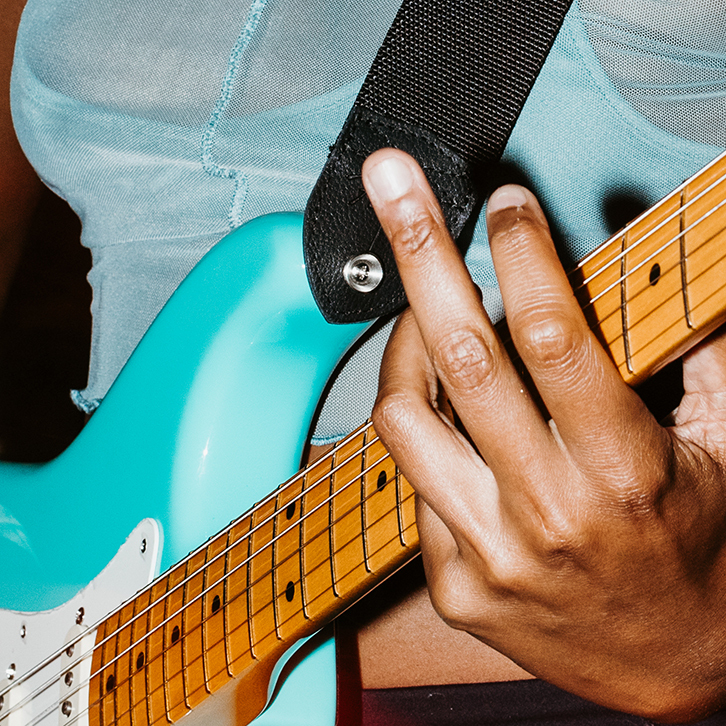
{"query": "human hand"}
[(589, 548)]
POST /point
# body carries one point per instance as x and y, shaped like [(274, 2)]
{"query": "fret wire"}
[(331, 543), (52, 657), (682, 261), (644, 216), (164, 658), (273, 552), (362, 508), (399, 504), (624, 311), (680, 236), (40, 717), (147, 699), (225, 614), (248, 590), (205, 648), (225, 530), (303, 596), (182, 634), (124, 660), (146, 590)]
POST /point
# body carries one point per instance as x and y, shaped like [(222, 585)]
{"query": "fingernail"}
[(390, 179), (507, 197)]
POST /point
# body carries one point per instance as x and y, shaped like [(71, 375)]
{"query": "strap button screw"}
[(363, 273)]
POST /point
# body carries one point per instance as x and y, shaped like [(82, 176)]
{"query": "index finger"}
[(468, 357)]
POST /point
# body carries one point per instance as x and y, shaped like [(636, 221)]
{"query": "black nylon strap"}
[(446, 86)]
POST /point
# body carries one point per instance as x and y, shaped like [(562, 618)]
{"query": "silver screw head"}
[(69, 679), (69, 651), (363, 272), (79, 615), (23, 631), (66, 708), (142, 546), (10, 671)]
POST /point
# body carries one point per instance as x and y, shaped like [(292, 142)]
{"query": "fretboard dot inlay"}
[(290, 511), (290, 591), (654, 274), (382, 480), (175, 634), (110, 683), (140, 661), (216, 604)]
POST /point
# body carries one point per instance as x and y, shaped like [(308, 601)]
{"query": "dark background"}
[(45, 331)]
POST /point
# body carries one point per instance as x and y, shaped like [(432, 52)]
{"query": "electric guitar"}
[(188, 437)]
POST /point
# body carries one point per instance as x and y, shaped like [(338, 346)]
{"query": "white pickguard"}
[(39, 650)]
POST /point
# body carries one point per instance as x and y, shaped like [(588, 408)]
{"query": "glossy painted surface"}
[(210, 414)]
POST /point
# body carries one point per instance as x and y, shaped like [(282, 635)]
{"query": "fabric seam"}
[(209, 165)]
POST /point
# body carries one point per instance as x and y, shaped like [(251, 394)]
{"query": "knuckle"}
[(454, 595), (634, 497), (636, 487), (466, 360), (508, 578), (453, 607), (415, 232), (391, 414), (562, 541), (549, 339)]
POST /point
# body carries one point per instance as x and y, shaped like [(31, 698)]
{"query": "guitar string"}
[(247, 653), (331, 455), (224, 669), (227, 550), (662, 248), (305, 472), (179, 612), (277, 512), (680, 317), (301, 474), (230, 546), (161, 599), (225, 531), (362, 432), (617, 308), (146, 637), (629, 227)]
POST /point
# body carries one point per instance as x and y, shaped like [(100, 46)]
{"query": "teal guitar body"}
[(210, 414)]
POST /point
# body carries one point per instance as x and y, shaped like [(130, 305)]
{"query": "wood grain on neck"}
[(330, 534), (658, 286), (277, 574)]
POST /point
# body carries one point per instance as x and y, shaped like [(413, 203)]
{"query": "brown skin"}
[(589, 549), (19, 186)]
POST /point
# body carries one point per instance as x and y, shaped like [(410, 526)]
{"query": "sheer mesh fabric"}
[(166, 124), (666, 58)]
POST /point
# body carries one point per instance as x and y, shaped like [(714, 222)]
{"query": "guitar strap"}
[(446, 86)]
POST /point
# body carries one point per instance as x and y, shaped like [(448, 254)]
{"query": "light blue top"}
[(167, 124)]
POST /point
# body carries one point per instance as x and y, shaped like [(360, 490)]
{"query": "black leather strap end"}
[(340, 223)]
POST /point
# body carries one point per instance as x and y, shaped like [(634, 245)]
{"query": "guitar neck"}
[(277, 574), (319, 542), (657, 287)]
